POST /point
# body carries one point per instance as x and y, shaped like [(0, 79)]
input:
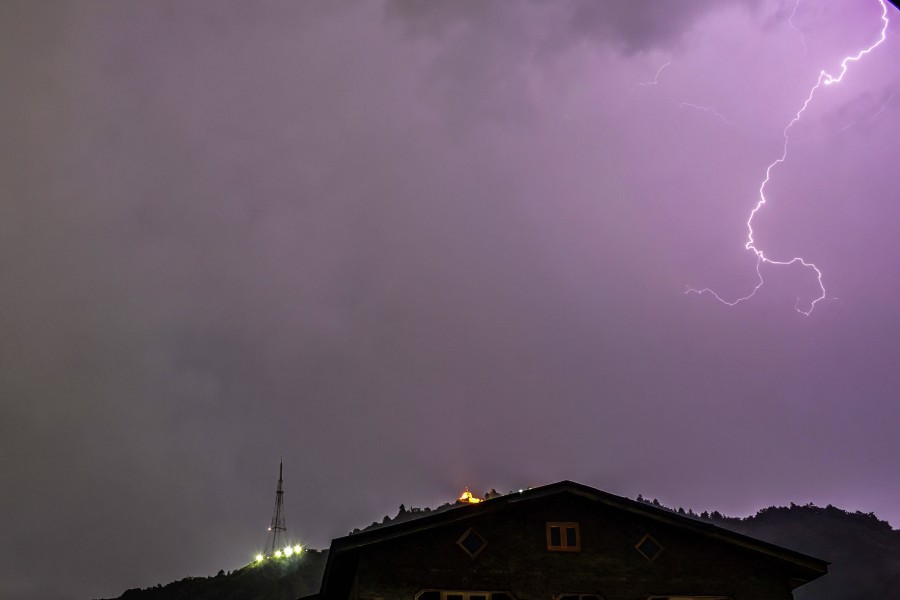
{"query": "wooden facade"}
[(564, 541)]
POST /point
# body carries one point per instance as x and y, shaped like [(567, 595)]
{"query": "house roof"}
[(343, 550)]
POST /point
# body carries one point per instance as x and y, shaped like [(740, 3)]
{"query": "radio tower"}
[(277, 538)]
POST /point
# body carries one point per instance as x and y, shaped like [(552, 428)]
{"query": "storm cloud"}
[(412, 247)]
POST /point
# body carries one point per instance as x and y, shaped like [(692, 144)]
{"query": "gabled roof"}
[(341, 556)]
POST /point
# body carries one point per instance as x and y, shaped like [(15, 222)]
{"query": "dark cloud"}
[(638, 26), (413, 247), (623, 24), (480, 52)]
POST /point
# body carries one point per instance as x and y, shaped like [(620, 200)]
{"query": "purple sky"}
[(416, 246)]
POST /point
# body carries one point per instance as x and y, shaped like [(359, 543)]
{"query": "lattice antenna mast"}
[(277, 530)]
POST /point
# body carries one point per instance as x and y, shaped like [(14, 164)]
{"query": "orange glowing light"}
[(468, 498)]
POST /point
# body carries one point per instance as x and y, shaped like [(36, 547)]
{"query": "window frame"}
[(471, 530), (661, 549), (564, 545), (682, 597), (466, 594)]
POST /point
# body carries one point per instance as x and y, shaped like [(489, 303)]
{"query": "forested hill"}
[(864, 553), (272, 579)]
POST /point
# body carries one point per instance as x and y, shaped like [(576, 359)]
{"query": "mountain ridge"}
[(864, 552)]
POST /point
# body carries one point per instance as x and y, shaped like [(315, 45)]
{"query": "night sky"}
[(416, 246)]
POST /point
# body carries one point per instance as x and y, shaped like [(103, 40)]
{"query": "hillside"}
[(283, 579), (864, 552)]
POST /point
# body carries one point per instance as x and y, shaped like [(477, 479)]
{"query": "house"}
[(564, 541)]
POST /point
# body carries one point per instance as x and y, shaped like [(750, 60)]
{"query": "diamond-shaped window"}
[(649, 547), (471, 542)]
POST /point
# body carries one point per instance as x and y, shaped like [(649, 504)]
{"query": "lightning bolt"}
[(708, 109), (660, 70), (795, 28), (883, 106), (825, 79)]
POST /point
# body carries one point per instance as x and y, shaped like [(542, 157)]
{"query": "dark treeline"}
[(864, 552), (273, 579)]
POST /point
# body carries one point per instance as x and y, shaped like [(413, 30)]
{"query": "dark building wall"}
[(516, 558)]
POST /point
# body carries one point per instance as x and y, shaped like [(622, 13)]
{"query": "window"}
[(651, 549), (689, 598), (472, 543), (462, 595), (563, 537)]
